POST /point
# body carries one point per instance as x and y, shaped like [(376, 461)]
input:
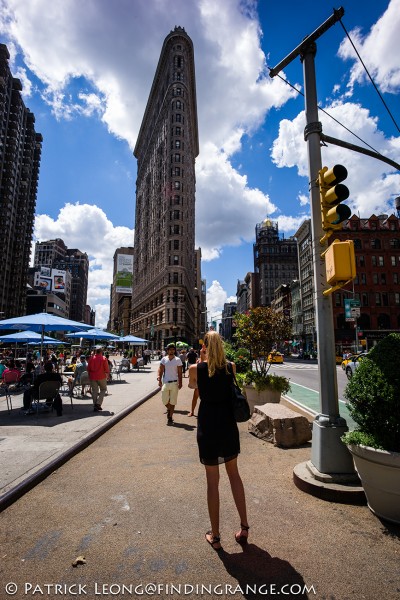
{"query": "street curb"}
[(30, 482)]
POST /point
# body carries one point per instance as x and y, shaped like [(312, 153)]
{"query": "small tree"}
[(258, 330)]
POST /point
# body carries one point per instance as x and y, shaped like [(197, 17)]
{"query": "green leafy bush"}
[(374, 397), (242, 360), (263, 382)]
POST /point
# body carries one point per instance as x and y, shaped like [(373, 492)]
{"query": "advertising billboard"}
[(124, 276), (58, 280)]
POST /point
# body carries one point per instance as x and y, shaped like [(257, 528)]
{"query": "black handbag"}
[(241, 408)]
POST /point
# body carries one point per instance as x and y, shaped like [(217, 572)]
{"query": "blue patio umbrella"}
[(26, 337), (41, 322), (94, 334), (135, 341)]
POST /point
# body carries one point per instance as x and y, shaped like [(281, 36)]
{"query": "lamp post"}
[(174, 327)]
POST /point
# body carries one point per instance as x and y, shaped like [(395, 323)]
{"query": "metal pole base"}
[(328, 453)]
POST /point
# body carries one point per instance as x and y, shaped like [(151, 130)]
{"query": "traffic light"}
[(332, 193)]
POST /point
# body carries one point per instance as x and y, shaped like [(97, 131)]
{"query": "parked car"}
[(275, 357), (353, 364)]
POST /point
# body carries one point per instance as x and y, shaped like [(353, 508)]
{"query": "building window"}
[(357, 244), (176, 244), (377, 299), (385, 301), (178, 104), (178, 91), (361, 261), (177, 144), (376, 243), (363, 279), (381, 261), (178, 118), (338, 300), (176, 214), (383, 278), (397, 298), (177, 185), (393, 261), (177, 131), (176, 260), (395, 243), (177, 157), (365, 299), (175, 278), (375, 278), (395, 278), (373, 261)]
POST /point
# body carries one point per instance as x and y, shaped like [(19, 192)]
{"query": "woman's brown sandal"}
[(239, 537), (215, 539)]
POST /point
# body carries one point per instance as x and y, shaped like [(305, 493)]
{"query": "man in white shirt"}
[(170, 380)]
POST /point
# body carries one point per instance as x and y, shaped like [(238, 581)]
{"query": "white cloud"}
[(87, 228), (379, 50), (216, 297), (372, 183)]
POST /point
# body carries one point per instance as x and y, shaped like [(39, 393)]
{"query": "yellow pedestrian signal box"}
[(340, 264)]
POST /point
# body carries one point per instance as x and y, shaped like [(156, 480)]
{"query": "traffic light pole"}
[(329, 454), (330, 459)]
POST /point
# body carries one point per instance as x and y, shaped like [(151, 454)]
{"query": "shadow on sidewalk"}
[(261, 575)]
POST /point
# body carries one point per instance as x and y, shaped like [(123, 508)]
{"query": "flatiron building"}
[(165, 296)]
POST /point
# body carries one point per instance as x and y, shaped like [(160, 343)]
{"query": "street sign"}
[(351, 309)]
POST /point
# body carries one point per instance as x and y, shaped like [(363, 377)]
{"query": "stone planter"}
[(254, 397), (379, 472)]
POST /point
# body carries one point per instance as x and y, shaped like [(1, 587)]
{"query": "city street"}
[(305, 372)]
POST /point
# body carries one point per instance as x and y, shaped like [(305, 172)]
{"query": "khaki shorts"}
[(169, 393)]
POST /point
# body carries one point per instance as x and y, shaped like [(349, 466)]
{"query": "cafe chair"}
[(48, 390), (10, 381)]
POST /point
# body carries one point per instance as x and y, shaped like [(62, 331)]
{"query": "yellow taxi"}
[(275, 357), (346, 361)]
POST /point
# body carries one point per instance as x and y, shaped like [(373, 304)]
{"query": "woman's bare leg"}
[(212, 474), (238, 493)]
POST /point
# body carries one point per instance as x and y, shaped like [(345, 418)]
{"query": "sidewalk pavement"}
[(31, 446), (134, 505)]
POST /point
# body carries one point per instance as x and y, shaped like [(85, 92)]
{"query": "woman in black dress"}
[(217, 433)]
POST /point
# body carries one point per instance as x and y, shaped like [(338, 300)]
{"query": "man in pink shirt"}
[(98, 374)]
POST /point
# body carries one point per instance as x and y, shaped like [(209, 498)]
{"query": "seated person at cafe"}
[(11, 368), (33, 392), (29, 375)]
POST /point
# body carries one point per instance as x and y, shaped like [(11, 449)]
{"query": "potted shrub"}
[(259, 330), (374, 404)]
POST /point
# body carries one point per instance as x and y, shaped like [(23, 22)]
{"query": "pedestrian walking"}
[(192, 357), (182, 356), (217, 434), (195, 396), (98, 374), (170, 380)]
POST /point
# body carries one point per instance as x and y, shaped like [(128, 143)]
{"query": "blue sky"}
[(87, 68)]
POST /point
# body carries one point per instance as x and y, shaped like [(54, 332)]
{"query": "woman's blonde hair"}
[(216, 359)]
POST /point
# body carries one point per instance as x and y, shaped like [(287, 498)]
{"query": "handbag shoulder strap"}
[(231, 371)]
